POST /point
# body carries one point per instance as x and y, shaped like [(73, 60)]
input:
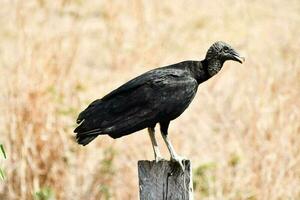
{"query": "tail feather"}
[(87, 130), (79, 132), (85, 136), (84, 140)]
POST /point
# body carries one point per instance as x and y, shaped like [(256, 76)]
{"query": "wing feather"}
[(160, 94)]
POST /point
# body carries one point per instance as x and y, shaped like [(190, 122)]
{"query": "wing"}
[(127, 88), (173, 95), (160, 94), (171, 70), (161, 99)]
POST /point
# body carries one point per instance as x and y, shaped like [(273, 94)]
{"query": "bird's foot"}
[(158, 158), (179, 160)]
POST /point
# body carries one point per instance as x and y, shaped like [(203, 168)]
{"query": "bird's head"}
[(218, 53)]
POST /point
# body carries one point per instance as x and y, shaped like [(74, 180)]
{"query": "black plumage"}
[(157, 96)]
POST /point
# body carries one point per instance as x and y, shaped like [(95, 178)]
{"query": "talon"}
[(158, 158), (179, 160)]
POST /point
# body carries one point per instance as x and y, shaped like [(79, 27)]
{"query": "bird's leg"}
[(157, 154), (174, 156)]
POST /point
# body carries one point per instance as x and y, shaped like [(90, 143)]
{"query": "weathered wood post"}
[(165, 180)]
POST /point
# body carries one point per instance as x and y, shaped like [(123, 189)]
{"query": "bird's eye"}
[(225, 48)]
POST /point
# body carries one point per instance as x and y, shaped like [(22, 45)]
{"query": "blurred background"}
[(241, 132)]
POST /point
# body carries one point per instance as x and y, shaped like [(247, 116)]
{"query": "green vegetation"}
[(234, 160), (107, 170), (45, 193), (203, 177), (2, 152)]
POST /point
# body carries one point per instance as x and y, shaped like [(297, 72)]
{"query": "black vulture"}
[(157, 96)]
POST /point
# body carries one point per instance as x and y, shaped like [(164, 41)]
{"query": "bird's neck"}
[(213, 66), (205, 69), (199, 71)]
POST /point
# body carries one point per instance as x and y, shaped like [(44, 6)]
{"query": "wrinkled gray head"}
[(222, 51), (218, 53)]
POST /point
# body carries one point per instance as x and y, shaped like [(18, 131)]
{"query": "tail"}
[(84, 140), (85, 137), (87, 131)]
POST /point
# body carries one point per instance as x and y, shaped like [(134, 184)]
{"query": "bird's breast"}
[(173, 103)]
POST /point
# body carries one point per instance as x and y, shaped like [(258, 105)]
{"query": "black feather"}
[(157, 96)]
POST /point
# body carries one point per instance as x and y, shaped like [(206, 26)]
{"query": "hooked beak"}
[(237, 57)]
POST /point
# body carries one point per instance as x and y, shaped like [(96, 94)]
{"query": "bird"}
[(155, 97)]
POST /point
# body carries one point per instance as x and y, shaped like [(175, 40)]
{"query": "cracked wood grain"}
[(165, 180)]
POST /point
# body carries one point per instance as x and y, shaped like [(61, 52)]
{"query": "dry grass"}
[(241, 132)]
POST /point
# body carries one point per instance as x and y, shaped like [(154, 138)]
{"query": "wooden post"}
[(165, 180)]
